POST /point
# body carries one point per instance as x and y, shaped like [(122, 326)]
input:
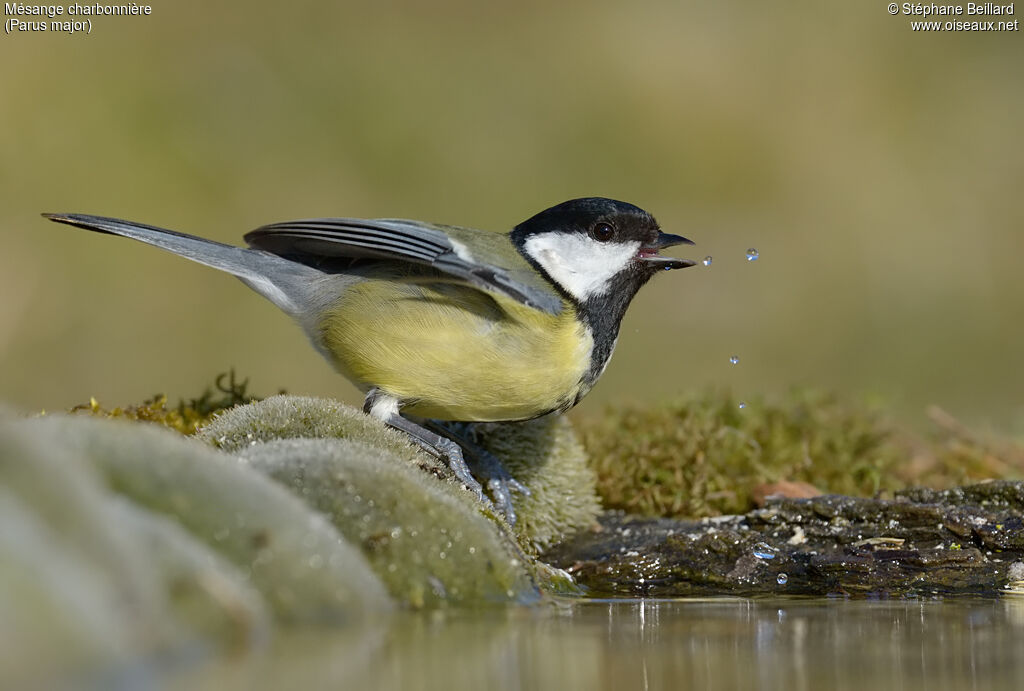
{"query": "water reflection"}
[(655, 644)]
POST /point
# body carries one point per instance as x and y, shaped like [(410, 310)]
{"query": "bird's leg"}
[(488, 467), (385, 408)]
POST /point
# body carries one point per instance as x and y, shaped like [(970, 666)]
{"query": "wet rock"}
[(784, 489), (921, 543)]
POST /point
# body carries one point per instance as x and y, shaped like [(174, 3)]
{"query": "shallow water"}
[(791, 644)]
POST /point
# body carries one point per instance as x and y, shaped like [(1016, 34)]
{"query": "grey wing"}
[(401, 240)]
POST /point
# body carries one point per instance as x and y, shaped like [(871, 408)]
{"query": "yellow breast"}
[(453, 352)]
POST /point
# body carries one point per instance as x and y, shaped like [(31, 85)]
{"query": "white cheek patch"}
[(581, 265)]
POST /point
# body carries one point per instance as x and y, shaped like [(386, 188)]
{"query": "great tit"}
[(448, 323)]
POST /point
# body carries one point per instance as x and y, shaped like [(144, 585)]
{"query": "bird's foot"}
[(452, 453), (500, 483), (452, 445), (487, 467)]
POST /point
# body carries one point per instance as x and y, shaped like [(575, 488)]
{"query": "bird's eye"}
[(602, 232)]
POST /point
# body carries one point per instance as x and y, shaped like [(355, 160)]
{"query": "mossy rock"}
[(425, 538), (305, 417), (94, 587), (71, 578), (545, 456), (293, 556), (212, 595)]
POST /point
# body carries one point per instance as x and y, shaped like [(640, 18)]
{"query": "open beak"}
[(651, 256)]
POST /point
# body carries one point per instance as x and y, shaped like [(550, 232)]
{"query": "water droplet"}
[(742, 405), (735, 359), (706, 261), (782, 579), (762, 550), (752, 255)]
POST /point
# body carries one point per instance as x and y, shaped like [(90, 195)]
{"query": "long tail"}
[(283, 282)]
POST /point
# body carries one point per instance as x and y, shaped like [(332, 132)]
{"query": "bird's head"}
[(595, 246)]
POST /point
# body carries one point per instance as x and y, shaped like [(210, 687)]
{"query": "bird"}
[(441, 325)]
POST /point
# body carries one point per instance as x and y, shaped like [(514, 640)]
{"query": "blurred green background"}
[(878, 171)]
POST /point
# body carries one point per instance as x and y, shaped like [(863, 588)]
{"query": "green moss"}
[(703, 455), (185, 418)]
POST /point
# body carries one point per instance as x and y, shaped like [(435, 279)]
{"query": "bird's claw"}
[(500, 484), (453, 454), (499, 481)]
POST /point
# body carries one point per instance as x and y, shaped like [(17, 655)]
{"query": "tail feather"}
[(281, 281)]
